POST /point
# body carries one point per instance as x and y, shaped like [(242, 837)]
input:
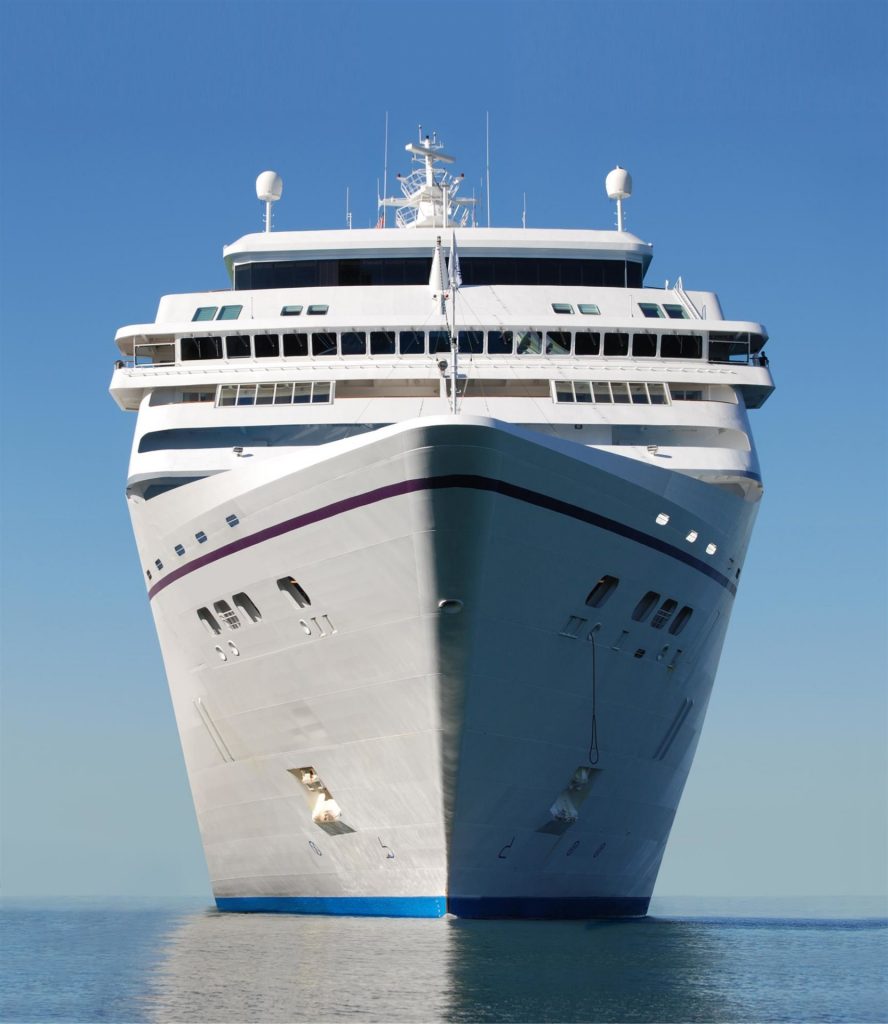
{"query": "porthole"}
[(662, 519), (602, 591), (200, 537), (645, 606), (692, 536), (711, 549), (288, 585), (681, 620), (232, 520), (451, 606), (248, 607), (158, 563), (209, 621), (179, 549)]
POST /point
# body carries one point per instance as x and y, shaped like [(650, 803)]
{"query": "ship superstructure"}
[(441, 527)]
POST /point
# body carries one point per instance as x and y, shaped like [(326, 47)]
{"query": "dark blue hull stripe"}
[(460, 480), (561, 908)]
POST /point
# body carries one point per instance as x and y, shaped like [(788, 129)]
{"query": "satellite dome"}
[(269, 187), (618, 184)]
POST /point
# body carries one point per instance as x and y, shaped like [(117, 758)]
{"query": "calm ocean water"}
[(82, 961)]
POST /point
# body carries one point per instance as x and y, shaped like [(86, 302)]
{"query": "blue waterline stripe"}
[(457, 480), (352, 906)]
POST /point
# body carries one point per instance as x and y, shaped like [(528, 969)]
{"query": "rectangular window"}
[(587, 343), (267, 346), (583, 391), (295, 345), (620, 393), (558, 343), (589, 309), (439, 341), (638, 394), (601, 391), (237, 346), (616, 344), (562, 307), (246, 394), (265, 394), (530, 343), (564, 391), (283, 394), (232, 520), (229, 312), (499, 343), (675, 312), (650, 309), (686, 394), (351, 343), (323, 343), (322, 392), (411, 342), (657, 393), (644, 345), (471, 341), (301, 394), (291, 310), (201, 348), (681, 346), (317, 310), (180, 549), (205, 313), (382, 343)]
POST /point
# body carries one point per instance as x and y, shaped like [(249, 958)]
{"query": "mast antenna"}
[(487, 163), (385, 167), (524, 212), (348, 216)]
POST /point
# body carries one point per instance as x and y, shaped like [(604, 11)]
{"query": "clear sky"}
[(132, 134)]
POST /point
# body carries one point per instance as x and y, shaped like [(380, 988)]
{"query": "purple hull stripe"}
[(466, 481)]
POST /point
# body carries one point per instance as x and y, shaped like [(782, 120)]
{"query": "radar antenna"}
[(618, 185), (269, 188)]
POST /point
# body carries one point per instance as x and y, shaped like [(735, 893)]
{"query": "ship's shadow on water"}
[(227, 967)]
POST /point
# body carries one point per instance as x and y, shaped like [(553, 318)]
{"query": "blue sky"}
[(132, 134)]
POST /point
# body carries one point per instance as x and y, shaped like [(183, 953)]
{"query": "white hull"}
[(444, 738)]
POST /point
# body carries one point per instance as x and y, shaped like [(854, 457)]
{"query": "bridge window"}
[(439, 341), (558, 343), (295, 345), (237, 346), (291, 310), (205, 313), (351, 343), (644, 345), (589, 309), (201, 348), (499, 343), (471, 341), (681, 346), (267, 346), (650, 309), (616, 344), (562, 307), (382, 343), (587, 343), (229, 312), (323, 343), (530, 343), (317, 310), (411, 342)]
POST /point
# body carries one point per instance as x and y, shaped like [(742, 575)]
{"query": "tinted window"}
[(587, 343), (317, 310), (439, 341), (499, 342), (382, 343), (291, 310), (650, 309), (295, 344), (323, 343), (644, 345), (411, 342), (205, 313), (558, 343), (675, 312), (201, 348), (561, 307), (229, 312), (351, 343), (237, 346), (266, 346), (589, 309), (616, 344), (471, 341), (681, 346)]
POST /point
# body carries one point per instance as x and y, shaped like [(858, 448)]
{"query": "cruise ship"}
[(441, 525)]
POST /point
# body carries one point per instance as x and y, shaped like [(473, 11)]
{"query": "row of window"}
[(233, 312), (243, 603), (470, 342), (201, 538), (607, 585), (275, 394), (611, 392), (474, 270)]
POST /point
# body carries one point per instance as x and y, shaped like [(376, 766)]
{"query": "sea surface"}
[(134, 961)]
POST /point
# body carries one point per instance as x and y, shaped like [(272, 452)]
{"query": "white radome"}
[(269, 187), (618, 184)]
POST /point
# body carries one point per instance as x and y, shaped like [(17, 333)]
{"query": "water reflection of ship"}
[(296, 968)]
